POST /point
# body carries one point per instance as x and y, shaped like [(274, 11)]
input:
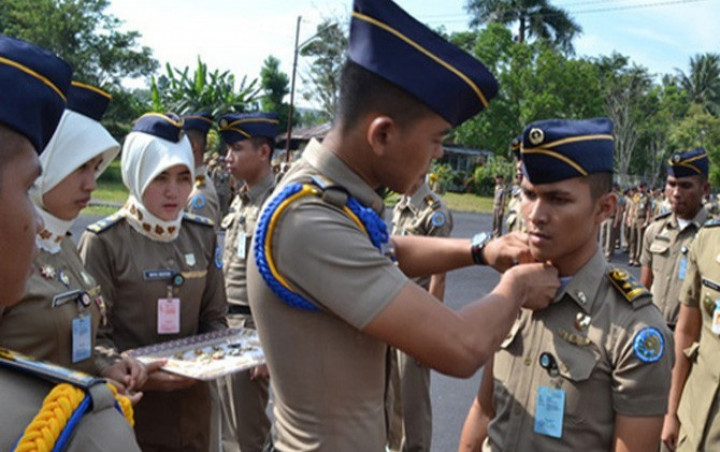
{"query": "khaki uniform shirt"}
[(240, 226), (203, 200), (127, 265), (641, 205), (102, 429), (41, 324), (698, 410), (591, 333), (665, 252), (328, 377), (515, 221), (423, 213)]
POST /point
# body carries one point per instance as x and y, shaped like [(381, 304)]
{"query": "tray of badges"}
[(206, 356)]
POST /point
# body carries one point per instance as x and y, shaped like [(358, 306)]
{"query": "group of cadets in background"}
[(151, 272)]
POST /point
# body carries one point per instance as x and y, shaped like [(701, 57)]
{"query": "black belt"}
[(239, 309)]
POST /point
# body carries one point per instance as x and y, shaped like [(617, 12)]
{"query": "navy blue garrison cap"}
[(33, 83), (387, 41), (559, 149), (241, 126), (515, 145), (198, 121), (88, 100), (163, 125), (689, 163)]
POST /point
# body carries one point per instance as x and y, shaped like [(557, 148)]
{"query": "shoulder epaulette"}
[(663, 215), (630, 288), (200, 181), (432, 201), (46, 370), (712, 223), (105, 224), (199, 219)]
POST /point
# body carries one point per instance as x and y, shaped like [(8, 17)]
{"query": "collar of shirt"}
[(254, 193), (585, 283), (51, 236), (332, 167), (698, 220)]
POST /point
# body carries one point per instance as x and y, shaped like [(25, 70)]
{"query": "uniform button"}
[(582, 297), (528, 361)]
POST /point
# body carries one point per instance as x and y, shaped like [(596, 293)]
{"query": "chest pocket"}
[(510, 353), (657, 247), (583, 394)]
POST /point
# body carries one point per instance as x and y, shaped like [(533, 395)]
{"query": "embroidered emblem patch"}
[(649, 345), (438, 219), (198, 201)]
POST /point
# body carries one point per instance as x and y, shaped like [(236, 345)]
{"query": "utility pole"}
[(292, 92)]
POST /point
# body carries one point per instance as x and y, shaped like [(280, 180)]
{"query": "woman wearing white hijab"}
[(160, 272), (62, 307)]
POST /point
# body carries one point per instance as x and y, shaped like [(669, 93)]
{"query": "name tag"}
[(241, 245), (711, 284), (81, 338), (154, 275), (549, 412), (168, 316)]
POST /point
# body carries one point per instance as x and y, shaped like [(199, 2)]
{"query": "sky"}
[(238, 35)]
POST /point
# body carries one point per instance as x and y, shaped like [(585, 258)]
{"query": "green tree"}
[(214, 92), (328, 49), (703, 82), (535, 18), (275, 86), (81, 32)]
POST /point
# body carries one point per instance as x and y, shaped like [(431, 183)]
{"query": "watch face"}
[(480, 238)]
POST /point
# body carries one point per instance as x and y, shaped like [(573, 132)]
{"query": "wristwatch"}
[(477, 245)]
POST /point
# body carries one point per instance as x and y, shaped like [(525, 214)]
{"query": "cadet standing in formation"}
[(498, 206), (159, 270), (324, 289), (223, 182), (668, 238), (592, 371), (203, 199), (59, 313), (33, 85), (640, 216), (515, 221), (250, 140), (419, 212)]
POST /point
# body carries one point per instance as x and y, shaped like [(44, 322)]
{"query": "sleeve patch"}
[(438, 219), (649, 345)]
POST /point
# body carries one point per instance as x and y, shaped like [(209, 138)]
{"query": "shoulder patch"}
[(198, 201), (199, 219), (630, 288), (438, 219), (663, 215), (648, 345), (105, 224), (712, 223)]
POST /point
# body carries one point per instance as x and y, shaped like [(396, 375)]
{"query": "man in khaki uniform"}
[(609, 232), (223, 183), (33, 83), (515, 221), (498, 206), (203, 199), (324, 290), (641, 214), (628, 216), (693, 419), (590, 372), (159, 269), (419, 212), (250, 139), (667, 239)]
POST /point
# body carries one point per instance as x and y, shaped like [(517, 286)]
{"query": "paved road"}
[(451, 397)]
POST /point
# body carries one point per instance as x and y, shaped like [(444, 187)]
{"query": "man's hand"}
[(506, 251), (130, 372), (670, 429), (260, 371), (159, 380), (540, 282)]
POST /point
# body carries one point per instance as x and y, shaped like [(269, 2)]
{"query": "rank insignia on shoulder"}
[(627, 285), (105, 224), (438, 219), (199, 219), (46, 370), (663, 215), (648, 345), (712, 223), (198, 201)]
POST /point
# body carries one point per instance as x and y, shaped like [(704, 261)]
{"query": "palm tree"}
[(537, 18), (702, 84)]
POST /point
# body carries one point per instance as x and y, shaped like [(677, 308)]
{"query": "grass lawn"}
[(111, 189)]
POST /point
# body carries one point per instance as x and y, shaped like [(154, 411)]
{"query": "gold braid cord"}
[(57, 408)]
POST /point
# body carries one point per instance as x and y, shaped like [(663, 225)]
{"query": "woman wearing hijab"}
[(62, 307), (160, 273)]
